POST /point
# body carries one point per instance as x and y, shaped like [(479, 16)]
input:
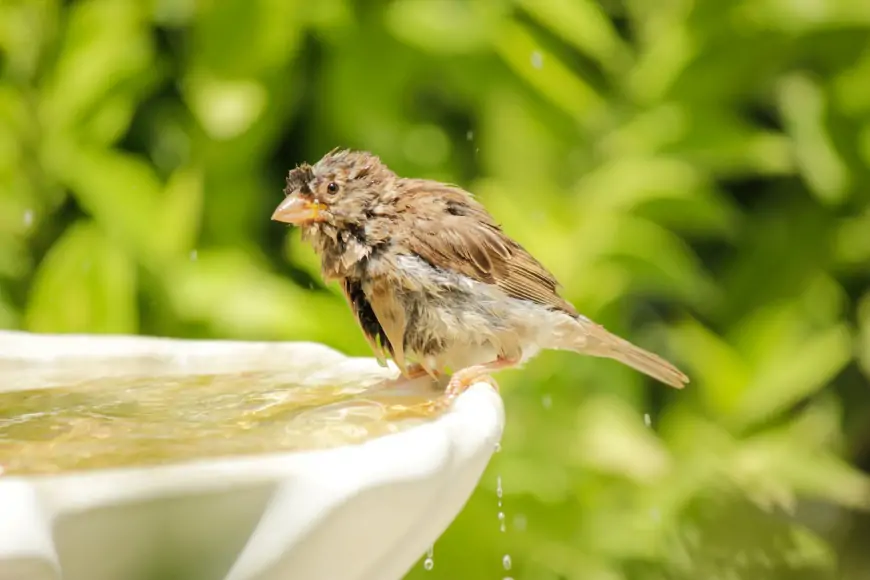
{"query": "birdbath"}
[(140, 458)]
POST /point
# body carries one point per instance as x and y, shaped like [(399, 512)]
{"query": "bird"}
[(433, 280)]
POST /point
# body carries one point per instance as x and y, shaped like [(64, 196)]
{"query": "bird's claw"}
[(459, 383)]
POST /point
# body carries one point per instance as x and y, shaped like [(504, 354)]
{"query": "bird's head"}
[(343, 188)]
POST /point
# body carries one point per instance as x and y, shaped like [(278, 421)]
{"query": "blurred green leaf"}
[(722, 374), (545, 72), (86, 283), (583, 24), (123, 194), (611, 439), (179, 216), (790, 377), (803, 106), (439, 26)]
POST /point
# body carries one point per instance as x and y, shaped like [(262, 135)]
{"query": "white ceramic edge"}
[(443, 458)]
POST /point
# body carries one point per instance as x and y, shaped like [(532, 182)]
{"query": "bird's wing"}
[(368, 322), (453, 232)]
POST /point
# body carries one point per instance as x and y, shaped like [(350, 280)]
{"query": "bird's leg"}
[(407, 375), (464, 378), (417, 370)]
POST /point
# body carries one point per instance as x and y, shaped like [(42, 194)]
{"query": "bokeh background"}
[(694, 172)]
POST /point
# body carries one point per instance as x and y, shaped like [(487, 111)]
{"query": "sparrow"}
[(432, 279)]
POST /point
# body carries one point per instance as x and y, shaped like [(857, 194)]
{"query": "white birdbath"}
[(128, 458)]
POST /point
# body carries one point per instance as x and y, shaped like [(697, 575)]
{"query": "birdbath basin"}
[(138, 458)]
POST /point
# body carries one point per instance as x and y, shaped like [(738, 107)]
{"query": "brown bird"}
[(433, 280)]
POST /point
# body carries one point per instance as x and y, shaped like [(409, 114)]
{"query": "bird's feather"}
[(368, 322), (454, 232)]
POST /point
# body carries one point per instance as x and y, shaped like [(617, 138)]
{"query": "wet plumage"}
[(433, 280)]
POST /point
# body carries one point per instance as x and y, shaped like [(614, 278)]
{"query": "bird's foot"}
[(411, 374), (416, 370), (462, 380)]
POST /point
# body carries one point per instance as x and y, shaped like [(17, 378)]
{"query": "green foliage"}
[(695, 173)]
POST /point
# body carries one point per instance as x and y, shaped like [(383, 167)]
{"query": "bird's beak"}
[(298, 210)]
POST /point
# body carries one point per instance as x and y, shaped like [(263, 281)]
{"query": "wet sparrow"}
[(433, 280)]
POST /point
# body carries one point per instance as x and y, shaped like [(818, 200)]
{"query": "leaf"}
[(583, 24), (775, 467), (657, 257), (789, 378), (438, 26), (804, 107), (106, 43), (721, 373), (660, 65), (123, 194), (546, 73), (86, 284), (610, 439), (180, 213)]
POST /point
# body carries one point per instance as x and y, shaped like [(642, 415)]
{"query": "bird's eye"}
[(332, 188)]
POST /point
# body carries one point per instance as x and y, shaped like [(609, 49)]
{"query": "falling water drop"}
[(194, 255), (498, 489), (547, 401), (506, 562), (647, 420), (497, 446), (537, 59), (28, 218), (469, 135), (429, 562), (502, 526)]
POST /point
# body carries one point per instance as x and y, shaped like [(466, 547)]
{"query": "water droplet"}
[(498, 489), (520, 522), (497, 446), (28, 218), (547, 401), (506, 562), (469, 135), (647, 420), (502, 525), (194, 255), (537, 59), (429, 562)]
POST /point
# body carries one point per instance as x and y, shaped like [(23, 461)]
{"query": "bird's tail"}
[(586, 337)]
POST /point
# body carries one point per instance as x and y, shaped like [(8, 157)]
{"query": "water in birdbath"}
[(140, 420)]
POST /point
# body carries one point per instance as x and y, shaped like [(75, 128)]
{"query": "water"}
[(469, 135), (647, 420), (502, 526), (537, 59), (429, 561), (547, 401), (114, 421), (506, 562), (194, 255), (28, 218)]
